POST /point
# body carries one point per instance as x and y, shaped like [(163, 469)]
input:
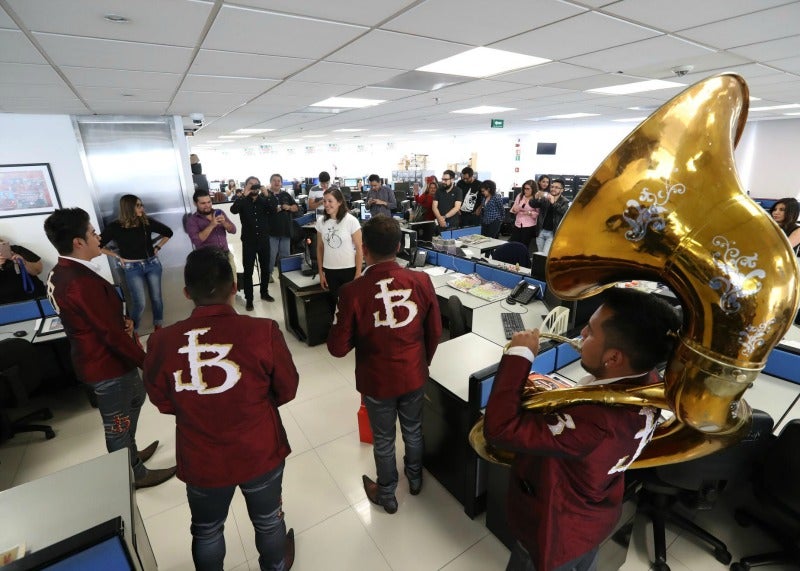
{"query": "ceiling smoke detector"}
[(682, 70)]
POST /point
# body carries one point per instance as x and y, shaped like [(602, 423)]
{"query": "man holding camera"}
[(253, 211)]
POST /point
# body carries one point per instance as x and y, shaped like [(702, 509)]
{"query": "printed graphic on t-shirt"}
[(469, 202), (332, 238)]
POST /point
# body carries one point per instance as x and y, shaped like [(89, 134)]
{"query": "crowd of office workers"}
[(225, 393)]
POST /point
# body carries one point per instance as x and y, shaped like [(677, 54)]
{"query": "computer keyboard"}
[(512, 322)]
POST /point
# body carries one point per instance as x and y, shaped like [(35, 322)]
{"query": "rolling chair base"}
[(23, 424)]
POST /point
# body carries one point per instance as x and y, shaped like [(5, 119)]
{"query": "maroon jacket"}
[(91, 312), (223, 376), (567, 482), (391, 316)]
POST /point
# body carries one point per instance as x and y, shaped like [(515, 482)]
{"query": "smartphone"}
[(5, 250), (218, 213)]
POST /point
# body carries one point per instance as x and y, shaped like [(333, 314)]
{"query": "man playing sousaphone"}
[(566, 486)]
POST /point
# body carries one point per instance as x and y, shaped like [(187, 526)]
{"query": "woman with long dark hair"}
[(785, 213), (493, 212), (137, 254), (339, 254), (525, 216)]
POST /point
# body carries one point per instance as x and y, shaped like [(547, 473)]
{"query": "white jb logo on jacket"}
[(194, 350), (387, 295)]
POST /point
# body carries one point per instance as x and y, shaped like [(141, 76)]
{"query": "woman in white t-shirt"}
[(339, 254)]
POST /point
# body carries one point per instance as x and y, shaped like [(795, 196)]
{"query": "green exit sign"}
[(497, 123)]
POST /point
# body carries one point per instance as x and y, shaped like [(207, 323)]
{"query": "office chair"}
[(777, 488), (557, 321), (455, 317), (10, 378), (697, 484), (512, 253)]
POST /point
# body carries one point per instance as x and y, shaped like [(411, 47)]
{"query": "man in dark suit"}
[(391, 316), (104, 354), (253, 210)]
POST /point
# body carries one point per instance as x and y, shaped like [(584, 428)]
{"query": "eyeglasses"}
[(556, 187), (446, 179)]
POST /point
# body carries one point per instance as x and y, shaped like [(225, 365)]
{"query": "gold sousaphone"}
[(666, 205)]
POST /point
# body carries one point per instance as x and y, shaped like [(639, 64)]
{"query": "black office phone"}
[(523, 293)]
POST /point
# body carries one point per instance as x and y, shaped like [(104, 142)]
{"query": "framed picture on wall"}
[(27, 190)]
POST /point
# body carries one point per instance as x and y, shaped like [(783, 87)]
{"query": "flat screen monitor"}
[(100, 548), (364, 213), (409, 240), (545, 148)]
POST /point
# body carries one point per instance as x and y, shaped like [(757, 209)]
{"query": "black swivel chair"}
[(777, 488), (11, 382), (455, 317), (697, 484), (512, 253)]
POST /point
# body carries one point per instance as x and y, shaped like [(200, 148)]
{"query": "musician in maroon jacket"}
[(104, 353), (567, 481), (223, 376), (390, 315)]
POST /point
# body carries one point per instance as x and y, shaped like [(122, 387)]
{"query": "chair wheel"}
[(740, 567), (49, 435), (723, 556), (660, 566)]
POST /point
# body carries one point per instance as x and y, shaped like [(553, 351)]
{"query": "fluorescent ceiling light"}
[(312, 136), (215, 142), (348, 130), (482, 62), (424, 130), (755, 98), (484, 110), (636, 87), (643, 108), (252, 131), (566, 116), (234, 136), (381, 135), (353, 102), (776, 107), (630, 120), (793, 114)]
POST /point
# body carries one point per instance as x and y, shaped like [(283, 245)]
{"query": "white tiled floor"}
[(335, 525)]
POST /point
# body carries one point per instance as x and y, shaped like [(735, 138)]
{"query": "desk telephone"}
[(523, 293)]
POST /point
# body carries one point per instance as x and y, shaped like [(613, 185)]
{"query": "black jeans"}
[(209, 507), (250, 250), (492, 229), (336, 279), (383, 414)]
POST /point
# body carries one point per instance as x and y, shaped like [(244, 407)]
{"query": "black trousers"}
[(523, 236), (250, 250)]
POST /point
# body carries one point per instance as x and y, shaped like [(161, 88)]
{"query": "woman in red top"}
[(426, 201)]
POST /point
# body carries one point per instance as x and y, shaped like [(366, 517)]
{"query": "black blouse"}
[(134, 243)]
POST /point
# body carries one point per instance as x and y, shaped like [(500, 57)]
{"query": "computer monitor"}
[(364, 213), (408, 241)]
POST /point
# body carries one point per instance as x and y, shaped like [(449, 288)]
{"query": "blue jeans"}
[(278, 248), (544, 240), (119, 401), (141, 274), (520, 560), (209, 507), (383, 414)]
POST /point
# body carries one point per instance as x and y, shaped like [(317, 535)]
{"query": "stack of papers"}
[(473, 239), (475, 285)]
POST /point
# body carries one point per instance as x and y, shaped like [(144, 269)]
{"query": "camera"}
[(255, 187), (197, 119)]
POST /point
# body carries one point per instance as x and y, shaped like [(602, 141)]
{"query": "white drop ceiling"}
[(261, 63)]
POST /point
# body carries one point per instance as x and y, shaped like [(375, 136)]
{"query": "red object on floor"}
[(364, 429)]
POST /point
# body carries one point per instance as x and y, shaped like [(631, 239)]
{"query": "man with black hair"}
[(104, 354), (471, 205), (225, 394), (390, 315), (380, 198), (447, 202), (317, 191), (567, 478), (552, 205), (206, 226), (253, 211), (282, 208)]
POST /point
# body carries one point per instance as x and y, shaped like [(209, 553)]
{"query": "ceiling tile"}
[(382, 93), (28, 74), (6, 22), (546, 73), (578, 35), (365, 13), (16, 48), (267, 33), (167, 22), (216, 62), (244, 85), (702, 66), (437, 19), (768, 51), (750, 29), (53, 91), (346, 73), (135, 108), (112, 54), (792, 64), (93, 77), (680, 14), (390, 49), (123, 95), (665, 50)]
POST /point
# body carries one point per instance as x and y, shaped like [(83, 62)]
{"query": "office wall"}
[(767, 158), (44, 139)]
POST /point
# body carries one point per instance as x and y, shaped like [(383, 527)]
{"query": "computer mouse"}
[(20, 333)]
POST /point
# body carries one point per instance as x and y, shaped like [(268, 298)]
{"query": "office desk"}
[(59, 505), (447, 419), (483, 247), (487, 323), (306, 311)]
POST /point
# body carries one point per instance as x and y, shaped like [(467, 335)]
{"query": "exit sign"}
[(497, 123)]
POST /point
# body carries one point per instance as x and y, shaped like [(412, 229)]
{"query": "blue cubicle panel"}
[(544, 363), (466, 231), (49, 311), (455, 263), (784, 364), (19, 311), (291, 263), (566, 354)]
